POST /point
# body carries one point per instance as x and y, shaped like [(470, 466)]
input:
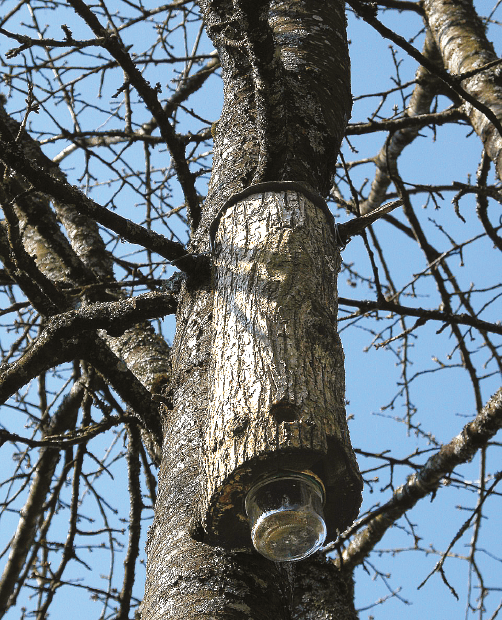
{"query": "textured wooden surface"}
[(277, 388)]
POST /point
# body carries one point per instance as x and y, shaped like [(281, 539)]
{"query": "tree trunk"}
[(277, 392), (287, 101)]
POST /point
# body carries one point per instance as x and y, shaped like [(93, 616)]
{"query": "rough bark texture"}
[(285, 71), (277, 375), (82, 260), (86, 241), (286, 80), (322, 592), (461, 39), (186, 578)]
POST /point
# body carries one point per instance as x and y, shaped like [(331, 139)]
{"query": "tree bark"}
[(187, 579), (461, 39), (287, 100), (277, 391), (322, 592)]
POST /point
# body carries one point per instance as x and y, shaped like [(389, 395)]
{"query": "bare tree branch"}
[(461, 449), (422, 313)]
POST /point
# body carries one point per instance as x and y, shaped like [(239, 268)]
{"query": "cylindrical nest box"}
[(277, 399)]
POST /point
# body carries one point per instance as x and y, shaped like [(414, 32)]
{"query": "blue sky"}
[(443, 400)]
